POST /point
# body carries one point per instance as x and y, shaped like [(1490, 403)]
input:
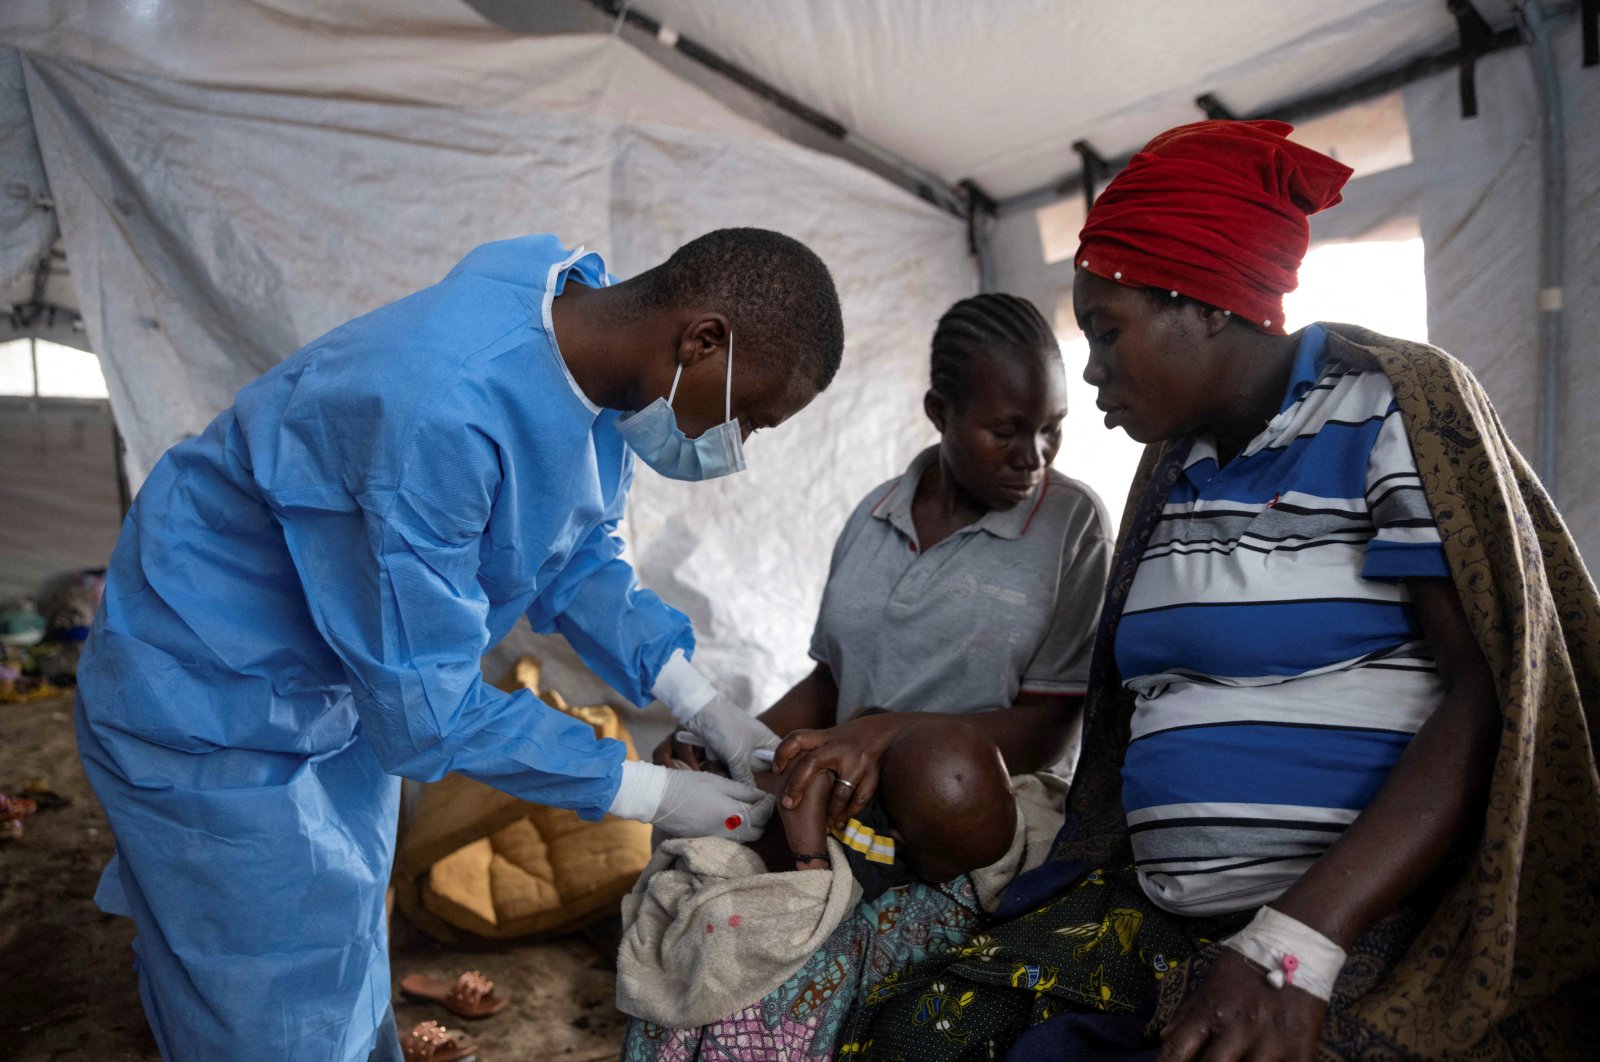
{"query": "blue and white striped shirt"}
[(1278, 663)]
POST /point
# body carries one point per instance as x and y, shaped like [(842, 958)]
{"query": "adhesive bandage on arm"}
[(1290, 952)]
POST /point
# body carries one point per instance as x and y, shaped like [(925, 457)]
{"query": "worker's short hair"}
[(777, 294), (998, 324)]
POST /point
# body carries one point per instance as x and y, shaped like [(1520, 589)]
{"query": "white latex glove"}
[(734, 736), (730, 732), (691, 803)]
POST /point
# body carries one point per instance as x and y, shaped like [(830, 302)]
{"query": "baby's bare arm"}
[(801, 830)]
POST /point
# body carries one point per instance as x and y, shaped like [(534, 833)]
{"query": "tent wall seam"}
[(1536, 22), (38, 317)]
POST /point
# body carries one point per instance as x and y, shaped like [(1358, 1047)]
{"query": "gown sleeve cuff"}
[(682, 688), (639, 795)]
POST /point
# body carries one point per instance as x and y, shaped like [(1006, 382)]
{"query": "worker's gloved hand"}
[(733, 735), (691, 803), (730, 732)]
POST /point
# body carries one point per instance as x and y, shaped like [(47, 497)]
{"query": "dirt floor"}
[(67, 987)]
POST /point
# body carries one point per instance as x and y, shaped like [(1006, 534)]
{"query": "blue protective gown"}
[(294, 616)]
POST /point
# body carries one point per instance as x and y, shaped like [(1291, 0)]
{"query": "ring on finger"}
[(847, 783)]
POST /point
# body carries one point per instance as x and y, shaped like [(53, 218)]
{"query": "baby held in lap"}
[(944, 807), (713, 926)]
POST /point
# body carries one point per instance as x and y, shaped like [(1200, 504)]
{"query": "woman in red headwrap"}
[(1337, 790)]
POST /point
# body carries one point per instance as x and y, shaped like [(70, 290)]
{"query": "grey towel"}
[(708, 930)]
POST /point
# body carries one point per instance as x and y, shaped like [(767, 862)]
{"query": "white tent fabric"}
[(213, 229), (1479, 203), (27, 225), (998, 92)]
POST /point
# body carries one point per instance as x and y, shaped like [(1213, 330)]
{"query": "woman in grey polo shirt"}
[(969, 584)]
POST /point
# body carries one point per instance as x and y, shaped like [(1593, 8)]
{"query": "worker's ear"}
[(937, 409), (705, 336)]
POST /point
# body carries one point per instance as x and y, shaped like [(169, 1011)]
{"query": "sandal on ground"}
[(432, 1042), (471, 996), (12, 811)]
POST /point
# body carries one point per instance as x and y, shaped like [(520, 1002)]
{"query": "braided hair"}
[(999, 324)]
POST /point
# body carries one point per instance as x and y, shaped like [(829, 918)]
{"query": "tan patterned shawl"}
[(1505, 963)]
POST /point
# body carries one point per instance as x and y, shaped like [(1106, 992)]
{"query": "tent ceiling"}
[(998, 92), (994, 92)]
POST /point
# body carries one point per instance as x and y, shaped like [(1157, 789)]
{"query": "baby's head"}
[(945, 789)]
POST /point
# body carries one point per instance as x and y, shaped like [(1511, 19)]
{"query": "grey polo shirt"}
[(1006, 605)]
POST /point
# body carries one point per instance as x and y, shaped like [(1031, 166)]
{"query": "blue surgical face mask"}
[(653, 434)]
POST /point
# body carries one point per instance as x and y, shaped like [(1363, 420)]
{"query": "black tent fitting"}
[(1094, 168), (1214, 108), (1477, 38), (1591, 32), (979, 202), (981, 213)]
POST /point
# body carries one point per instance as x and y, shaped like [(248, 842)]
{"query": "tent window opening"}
[(1368, 137), (1377, 283), (1059, 224), (38, 368)]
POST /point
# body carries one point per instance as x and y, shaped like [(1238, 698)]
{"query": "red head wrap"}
[(1215, 211)]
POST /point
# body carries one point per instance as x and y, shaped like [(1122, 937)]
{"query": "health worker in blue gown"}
[(299, 599)]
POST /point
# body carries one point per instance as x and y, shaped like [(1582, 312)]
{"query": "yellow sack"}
[(477, 860)]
